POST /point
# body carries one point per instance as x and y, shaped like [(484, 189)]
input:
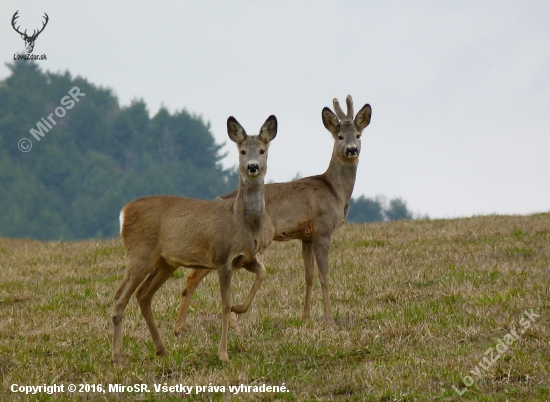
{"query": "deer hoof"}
[(239, 309), (118, 362), (331, 324)]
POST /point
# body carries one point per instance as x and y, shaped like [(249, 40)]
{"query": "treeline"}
[(377, 210), (90, 158), (96, 158)]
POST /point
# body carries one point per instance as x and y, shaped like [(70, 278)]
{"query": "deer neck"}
[(341, 175), (249, 203)]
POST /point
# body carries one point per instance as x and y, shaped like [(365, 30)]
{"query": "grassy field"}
[(421, 307)]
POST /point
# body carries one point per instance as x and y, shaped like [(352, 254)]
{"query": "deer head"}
[(252, 148), (29, 40), (345, 129)]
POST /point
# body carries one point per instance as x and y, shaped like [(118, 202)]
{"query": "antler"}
[(338, 109), (34, 35), (349, 103), (15, 16), (340, 112)]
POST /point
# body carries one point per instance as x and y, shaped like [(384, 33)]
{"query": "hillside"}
[(418, 306), (67, 178)]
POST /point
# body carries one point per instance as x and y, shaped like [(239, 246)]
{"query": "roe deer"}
[(310, 209), (162, 233)]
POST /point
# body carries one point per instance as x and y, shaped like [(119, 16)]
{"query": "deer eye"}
[(358, 136), (243, 152), (262, 151), (340, 137)]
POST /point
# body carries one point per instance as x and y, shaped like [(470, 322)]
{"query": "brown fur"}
[(162, 233), (312, 208)]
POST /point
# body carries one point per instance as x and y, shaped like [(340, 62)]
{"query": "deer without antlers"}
[(310, 209), (29, 40), (162, 233)]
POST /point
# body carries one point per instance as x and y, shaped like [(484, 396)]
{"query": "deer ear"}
[(330, 120), (269, 130), (362, 119), (235, 130)]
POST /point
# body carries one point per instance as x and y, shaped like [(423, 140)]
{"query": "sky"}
[(460, 90)]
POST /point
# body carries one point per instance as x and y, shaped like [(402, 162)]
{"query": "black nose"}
[(352, 151), (253, 167)]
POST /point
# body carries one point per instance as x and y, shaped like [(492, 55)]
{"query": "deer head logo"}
[(29, 40)]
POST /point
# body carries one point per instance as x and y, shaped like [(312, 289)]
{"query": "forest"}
[(90, 156)]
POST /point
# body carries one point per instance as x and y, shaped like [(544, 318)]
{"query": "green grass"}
[(417, 305)]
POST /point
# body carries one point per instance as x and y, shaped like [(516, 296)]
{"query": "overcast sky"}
[(460, 90)]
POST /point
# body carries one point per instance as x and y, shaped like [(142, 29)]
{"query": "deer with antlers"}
[(29, 40), (309, 209), (162, 233)]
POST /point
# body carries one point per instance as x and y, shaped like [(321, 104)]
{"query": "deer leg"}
[(144, 296), (257, 268), (193, 279), (321, 247), (224, 274), (309, 262), (135, 274)]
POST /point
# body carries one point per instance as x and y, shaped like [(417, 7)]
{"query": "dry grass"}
[(417, 303)]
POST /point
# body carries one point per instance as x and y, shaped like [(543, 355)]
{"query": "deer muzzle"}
[(352, 152), (253, 169)]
